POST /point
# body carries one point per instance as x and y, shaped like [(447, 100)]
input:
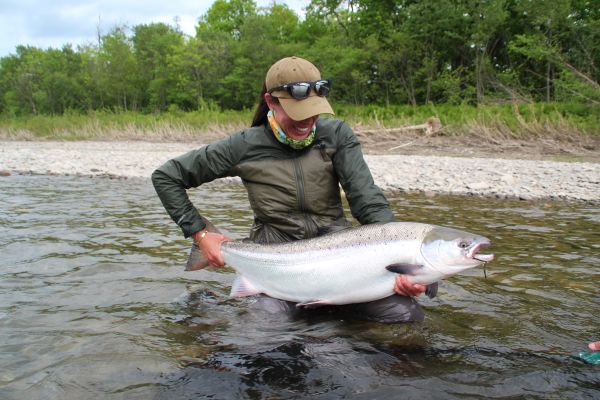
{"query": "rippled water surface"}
[(94, 303)]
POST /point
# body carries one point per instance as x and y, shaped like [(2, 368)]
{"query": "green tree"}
[(62, 81), (557, 44), (226, 16), (263, 38), (375, 51), (22, 75), (487, 18), (117, 72), (212, 60), (156, 48)]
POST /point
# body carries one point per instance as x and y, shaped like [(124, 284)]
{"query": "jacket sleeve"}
[(192, 169), (367, 202)]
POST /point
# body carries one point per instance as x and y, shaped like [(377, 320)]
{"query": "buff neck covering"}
[(296, 144)]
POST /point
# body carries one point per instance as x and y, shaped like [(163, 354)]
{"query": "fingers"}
[(211, 247), (594, 346), (217, 237), (404, 287), (417, 290)]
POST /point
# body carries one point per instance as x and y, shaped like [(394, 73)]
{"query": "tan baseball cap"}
[(296, 69)]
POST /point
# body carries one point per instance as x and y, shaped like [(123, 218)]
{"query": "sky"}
[(54, 23)]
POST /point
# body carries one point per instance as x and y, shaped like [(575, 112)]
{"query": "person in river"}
[(292, 164), (595, 346)]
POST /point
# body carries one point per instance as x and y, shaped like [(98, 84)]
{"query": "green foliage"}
[(226, 16), (378, 53), (154, 46), (116, 75), (497, 121)]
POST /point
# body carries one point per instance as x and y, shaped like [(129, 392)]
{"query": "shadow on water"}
[(94, 302)]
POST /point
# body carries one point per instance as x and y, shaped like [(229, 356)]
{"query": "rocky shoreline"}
[(503, 178)]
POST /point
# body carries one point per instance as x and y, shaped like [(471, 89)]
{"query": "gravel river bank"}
[(503, 178)]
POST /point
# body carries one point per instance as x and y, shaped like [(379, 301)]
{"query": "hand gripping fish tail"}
[(197, 260), (354, 265)]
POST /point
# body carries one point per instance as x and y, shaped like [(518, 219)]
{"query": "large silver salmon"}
[(354, 265)]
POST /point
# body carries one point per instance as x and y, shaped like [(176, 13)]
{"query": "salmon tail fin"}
[(197, 260)]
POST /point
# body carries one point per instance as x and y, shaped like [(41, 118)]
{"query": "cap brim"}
[(299, 110)]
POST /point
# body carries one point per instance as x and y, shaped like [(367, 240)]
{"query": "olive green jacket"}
[(294, 194)]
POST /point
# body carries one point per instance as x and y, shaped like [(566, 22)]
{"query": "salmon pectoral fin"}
[(402, 268), (243, 287), (313, 304), (431, 290)]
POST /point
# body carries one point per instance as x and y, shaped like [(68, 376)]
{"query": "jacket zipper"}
[(301, 198)]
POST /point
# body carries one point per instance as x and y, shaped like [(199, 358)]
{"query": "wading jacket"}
[(294, 194)]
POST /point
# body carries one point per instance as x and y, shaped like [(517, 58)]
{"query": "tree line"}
[(380, 52)]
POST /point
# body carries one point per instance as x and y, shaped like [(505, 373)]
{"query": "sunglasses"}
[(301, 90)]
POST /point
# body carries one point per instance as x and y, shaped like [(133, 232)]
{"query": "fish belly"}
[(334, 277)]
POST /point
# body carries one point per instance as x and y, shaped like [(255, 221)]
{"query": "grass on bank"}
[(491, 122)]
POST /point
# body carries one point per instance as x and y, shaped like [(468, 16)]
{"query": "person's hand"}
[(594, 346), (210, 244), (403, 287)]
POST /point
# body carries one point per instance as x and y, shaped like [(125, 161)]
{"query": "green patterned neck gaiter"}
[(296, 144)]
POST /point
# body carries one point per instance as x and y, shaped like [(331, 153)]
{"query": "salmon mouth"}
[(474, 253)]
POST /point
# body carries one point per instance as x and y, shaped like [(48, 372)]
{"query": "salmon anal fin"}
[(242, 287), (402, 268)]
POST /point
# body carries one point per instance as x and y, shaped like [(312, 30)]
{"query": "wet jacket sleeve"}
[(367, 202), (192, 169)]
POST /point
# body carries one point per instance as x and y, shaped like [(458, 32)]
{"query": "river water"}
[(94, 303)]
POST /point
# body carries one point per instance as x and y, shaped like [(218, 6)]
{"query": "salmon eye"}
[(463, 244)]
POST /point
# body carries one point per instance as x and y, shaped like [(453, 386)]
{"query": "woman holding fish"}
[(292, 164)]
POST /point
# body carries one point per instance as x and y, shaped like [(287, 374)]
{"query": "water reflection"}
[(94, 303)]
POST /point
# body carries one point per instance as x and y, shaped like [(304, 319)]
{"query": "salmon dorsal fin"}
[(242, 287)]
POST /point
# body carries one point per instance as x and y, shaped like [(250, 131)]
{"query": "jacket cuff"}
[(190, 223), (381, 216)]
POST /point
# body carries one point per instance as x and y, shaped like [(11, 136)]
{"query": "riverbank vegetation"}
[(493, 122), (508, 68)]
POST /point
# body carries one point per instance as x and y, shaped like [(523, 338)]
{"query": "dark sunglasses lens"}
[(299, 91), (322, 88)]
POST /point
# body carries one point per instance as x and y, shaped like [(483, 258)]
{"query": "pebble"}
[(501, 178)]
